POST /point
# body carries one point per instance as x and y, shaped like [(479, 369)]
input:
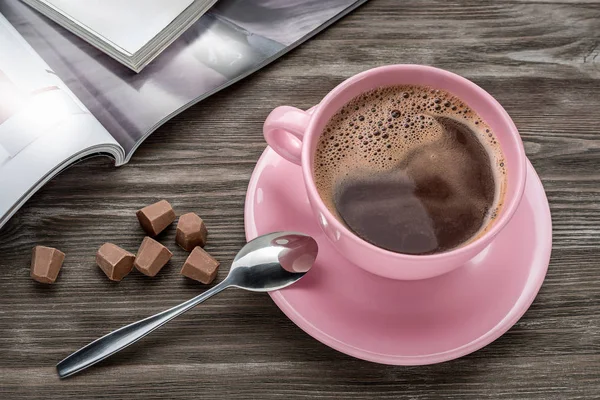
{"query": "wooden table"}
[(541, 60)]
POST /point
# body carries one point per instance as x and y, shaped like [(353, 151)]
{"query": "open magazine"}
[(61, 99)]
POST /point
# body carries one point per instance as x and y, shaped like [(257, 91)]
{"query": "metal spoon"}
[(269, 262)]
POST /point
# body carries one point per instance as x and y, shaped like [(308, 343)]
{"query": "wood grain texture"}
[(540, 59)]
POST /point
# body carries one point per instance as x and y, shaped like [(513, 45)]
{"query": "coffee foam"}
[(377, 130)]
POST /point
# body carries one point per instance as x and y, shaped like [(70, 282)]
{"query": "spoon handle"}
[(117, 340)]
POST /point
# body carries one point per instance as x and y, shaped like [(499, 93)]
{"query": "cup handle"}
[(284, 129)]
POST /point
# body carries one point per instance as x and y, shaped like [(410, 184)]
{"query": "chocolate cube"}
[(114, 261), (46, 263), (200, 266), (156, 217), (151, 257), (191, 232)]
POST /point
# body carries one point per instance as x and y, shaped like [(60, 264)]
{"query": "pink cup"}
[(294, 134)]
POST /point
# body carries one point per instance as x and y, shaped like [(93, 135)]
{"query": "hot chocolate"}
[(410, 169)]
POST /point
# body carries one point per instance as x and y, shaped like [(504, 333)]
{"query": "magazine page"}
[(233, 39), (42, 124)]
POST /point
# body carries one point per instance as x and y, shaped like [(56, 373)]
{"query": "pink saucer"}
[(403, 322)]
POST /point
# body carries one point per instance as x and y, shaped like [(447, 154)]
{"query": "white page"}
[(42, 124), (127, 24)]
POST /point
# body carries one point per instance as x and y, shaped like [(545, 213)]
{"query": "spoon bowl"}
[(273, 261)]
